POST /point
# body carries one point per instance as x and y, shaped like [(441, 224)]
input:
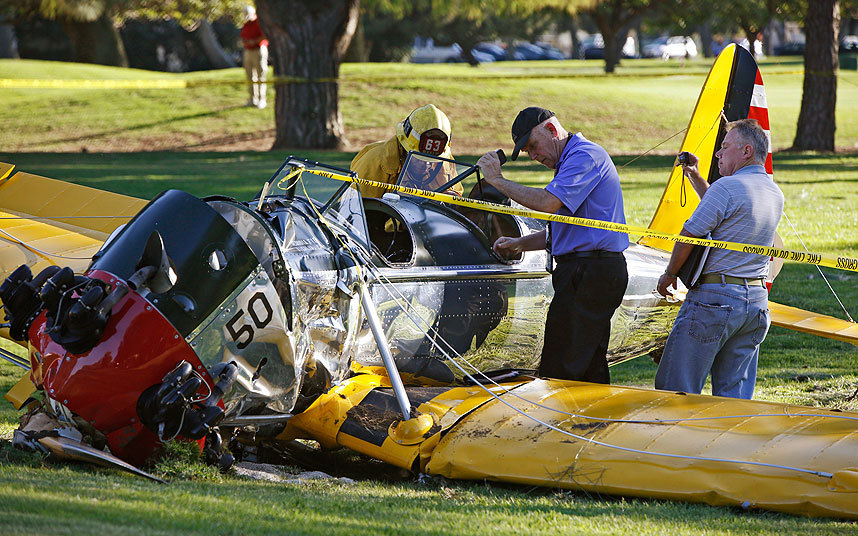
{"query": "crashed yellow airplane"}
[(348, 322)]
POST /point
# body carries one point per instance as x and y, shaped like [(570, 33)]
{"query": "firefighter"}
[(425, 130)]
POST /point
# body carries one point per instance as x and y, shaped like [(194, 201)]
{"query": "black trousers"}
[(587, 291)]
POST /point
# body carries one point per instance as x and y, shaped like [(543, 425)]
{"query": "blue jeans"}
[(719, 329)]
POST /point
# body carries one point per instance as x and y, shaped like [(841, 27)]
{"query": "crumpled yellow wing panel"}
[(606, 439), (45, 221), (748, 459), (814, 323)]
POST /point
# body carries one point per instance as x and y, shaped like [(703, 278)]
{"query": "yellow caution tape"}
[(22, 83), (33, 83), (37, 83), (831, 261)]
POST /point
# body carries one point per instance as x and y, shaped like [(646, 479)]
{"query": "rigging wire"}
[(653, 148), (426, 329), (37, 250), (682, 202), (62, 217), (797, 235)]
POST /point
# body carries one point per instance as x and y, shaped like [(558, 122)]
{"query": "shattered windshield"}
[(293, 179), (337, 201), (427, 172)]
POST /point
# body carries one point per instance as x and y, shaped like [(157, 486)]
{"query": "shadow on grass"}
[(212, 143), (142, 126)]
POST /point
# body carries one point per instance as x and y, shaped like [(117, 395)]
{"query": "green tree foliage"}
[(821, 21), (750, 16), (309, 39), (187, 12), (91, 25), (686, 17), (613, 18)]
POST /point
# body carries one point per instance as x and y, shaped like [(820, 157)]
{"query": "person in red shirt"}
[(255, 57)]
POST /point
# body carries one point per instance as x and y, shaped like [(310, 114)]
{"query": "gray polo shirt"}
[(744, 207)]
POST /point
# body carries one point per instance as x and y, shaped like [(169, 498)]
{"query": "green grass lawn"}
[(630, 113), (645, 103)]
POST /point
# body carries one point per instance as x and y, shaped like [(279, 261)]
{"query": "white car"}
[(671, 47)]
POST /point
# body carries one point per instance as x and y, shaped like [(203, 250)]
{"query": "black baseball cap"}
[(524, 123)]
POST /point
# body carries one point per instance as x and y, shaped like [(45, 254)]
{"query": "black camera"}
[(683, 158)]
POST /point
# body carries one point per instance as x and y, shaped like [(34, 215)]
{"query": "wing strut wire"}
[(36, 250), (662, 142), (794, 230)]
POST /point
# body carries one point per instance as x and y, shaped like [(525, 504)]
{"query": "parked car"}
[(550, 53), (666, 48), (427, 52), (593, 47), (849, 44), (495, 51), (479, 56), (790, 48), (531, 51)]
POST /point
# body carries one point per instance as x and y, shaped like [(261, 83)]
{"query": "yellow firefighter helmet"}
[(426, 130)]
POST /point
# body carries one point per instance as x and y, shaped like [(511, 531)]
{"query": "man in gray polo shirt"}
[(725, 316)]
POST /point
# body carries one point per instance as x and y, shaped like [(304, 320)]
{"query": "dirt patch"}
[(372, 417), (339, 462), (589, 427)]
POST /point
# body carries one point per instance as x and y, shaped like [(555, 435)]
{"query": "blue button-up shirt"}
[(587, 184)]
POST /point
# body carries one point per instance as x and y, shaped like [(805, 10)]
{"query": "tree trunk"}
[(358, 51), (576, 44), (308, 40), (96, 42), (609, 38), (207, 39), (611, 18), (705, 31), (816, 123)]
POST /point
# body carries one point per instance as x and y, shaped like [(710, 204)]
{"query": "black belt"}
[(730, 280), (593, 254)]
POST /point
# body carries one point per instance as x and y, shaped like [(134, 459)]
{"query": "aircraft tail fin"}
[(733, 90)]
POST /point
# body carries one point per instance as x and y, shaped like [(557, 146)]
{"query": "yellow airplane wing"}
[(814, 323), (603, 439), (45, 221)]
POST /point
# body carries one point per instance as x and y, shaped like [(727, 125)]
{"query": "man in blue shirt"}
[(590, 277), (725, 316)]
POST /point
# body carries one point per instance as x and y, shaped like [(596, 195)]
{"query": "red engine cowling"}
[(103, 385)]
